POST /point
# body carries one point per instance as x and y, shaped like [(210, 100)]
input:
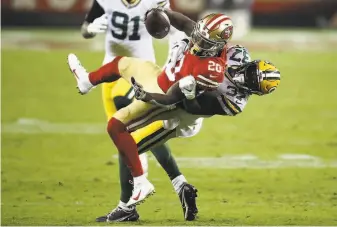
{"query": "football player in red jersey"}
[(206, 54), (204, 61)]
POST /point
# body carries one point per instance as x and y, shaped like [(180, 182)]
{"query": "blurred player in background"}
[(123, 23)]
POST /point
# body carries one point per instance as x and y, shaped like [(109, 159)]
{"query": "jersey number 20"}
[(215, 67), (120, 21)]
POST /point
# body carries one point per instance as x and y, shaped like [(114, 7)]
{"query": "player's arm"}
[(169, 100), (180, 21), (89, 27), (184, 88), (206, 104), (191, 106)]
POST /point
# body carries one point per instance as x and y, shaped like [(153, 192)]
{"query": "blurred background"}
[(262, 13), (308, 13), (274, 164)]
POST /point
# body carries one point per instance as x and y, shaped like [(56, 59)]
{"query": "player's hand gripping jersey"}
[(207, 71)]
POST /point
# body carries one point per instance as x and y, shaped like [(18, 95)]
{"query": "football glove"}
[(176, 54), (187, 86), (140, 94), (99, 25)]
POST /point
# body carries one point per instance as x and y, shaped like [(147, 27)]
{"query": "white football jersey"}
[(233, 100), (126, 21), (127, 31)]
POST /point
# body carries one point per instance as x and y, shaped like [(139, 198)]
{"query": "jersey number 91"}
[(120, 21)]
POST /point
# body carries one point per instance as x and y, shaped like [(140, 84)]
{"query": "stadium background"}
[(275, 164)]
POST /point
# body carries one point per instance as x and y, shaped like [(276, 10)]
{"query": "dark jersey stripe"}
[(166, 135), (146, 139), (235, 105), (129, 91), (228, 107)]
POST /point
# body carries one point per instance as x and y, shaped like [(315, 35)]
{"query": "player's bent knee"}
[(115, 127)]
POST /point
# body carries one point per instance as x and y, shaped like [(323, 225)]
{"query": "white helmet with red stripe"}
[(211, 34)]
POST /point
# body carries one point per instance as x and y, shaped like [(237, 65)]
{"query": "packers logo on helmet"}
[(258, 77), (211, 34), (270, 77)]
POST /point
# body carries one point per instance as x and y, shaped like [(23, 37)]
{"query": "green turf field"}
[(275, 164)]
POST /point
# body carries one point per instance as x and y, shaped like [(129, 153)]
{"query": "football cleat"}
[(187, 198), (141, 191), (119, 215), (80, 74)]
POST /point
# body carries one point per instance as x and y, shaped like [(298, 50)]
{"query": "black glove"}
[(140, 94)]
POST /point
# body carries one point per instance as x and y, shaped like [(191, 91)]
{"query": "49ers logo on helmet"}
[(227, 33)]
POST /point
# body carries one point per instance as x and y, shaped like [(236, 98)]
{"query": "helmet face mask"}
[(204, 47), (257, 77), (210, 35)]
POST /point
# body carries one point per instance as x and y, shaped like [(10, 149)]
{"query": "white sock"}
[(144, 161), (87, 81), (178, 183), (140, 179), (124, 206)]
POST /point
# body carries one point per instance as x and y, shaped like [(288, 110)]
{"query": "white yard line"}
[(249, 161), (36, 126), (230, 163), (294, 40)]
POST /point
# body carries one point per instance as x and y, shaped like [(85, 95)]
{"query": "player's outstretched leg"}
[(144, 72), (127, 148), (80, 74), (86, 81), (117, 124)]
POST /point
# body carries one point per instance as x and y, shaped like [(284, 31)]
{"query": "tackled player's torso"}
[(188, 65)]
